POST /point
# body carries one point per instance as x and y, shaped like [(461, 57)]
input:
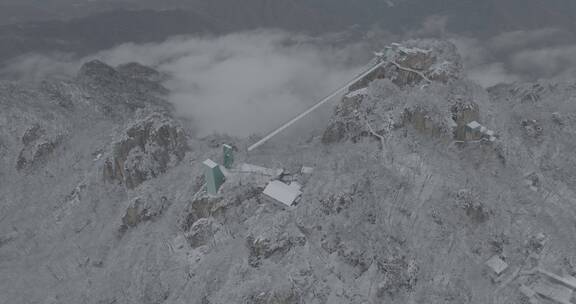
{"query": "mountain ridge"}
[(109, 203), (151, 22)]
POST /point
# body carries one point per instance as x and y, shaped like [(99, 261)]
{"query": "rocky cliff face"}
[(411, 71), (102, 198), (147, 149), (118, 92)]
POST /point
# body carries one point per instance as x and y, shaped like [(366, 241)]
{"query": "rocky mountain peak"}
[(147, 148), (141, 72), (98, 72), (395, 94)]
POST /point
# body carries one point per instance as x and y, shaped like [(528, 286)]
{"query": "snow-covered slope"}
[(102, 199)]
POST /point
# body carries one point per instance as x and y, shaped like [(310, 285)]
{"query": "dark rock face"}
[(401, 273), (2, 149), (412, 65), (198, 224), (146, 76), (201, 233), (464, 113), (197, 210), (148, 148), (336, 203), (32, 134), (474, 208), (264, 248), (421, 121), (59, 93), (347, 123), (137, 71), (416, 62), (34, 154), (119, 93), (283, 296), (336, 132), (354, 258), (98, 74), (37, 147), (141, 210)]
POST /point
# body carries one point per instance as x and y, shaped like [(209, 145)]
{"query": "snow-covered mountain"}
[(102, 196)]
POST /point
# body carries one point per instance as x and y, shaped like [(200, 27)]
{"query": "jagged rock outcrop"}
[(271, 243), (140, 72), (96, 74), (148, 148), (65, 94), (145, 75), (141, 210), (119, 92), (419, 87), (417, 62), (37, 147), (202, 232)]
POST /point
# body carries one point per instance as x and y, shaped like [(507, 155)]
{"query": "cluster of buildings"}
[(283, 192), (537, 284), (476, 131)]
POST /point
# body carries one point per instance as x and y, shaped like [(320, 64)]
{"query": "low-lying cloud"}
[(37, 67), (242, 83), (237, 84), (247, 83), (548, 62), (519, 56), (509, 57)]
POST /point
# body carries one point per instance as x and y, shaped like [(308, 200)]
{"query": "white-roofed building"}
[(497, 265), (307, 170), (286, 194), (473, 131)]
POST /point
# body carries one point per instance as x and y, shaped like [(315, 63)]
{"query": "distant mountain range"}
[(100, 31), (88, 26)]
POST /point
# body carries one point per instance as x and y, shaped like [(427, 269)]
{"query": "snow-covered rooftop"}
[(282, 192), (497, 265), (307, 170), (474, 125), (413, 50), (210, 163)]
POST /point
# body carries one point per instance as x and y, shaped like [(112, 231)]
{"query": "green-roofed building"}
[(228, 156), (214, 176)]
